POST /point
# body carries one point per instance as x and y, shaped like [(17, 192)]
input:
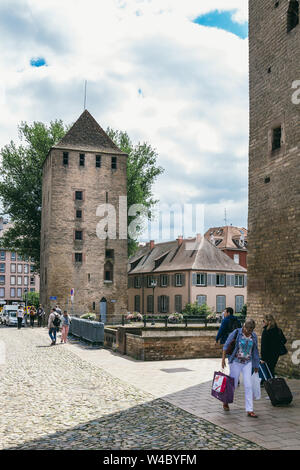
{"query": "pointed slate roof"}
[(86, 134)]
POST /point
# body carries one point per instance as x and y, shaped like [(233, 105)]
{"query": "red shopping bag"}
[(223, 387)]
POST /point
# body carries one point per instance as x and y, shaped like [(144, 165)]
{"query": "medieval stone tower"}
[(83, 171), (274, 176)]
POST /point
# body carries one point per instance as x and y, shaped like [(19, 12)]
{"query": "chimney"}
[(151, 244), (180, 240)]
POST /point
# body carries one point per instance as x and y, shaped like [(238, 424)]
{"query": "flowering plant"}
[(175, 317)]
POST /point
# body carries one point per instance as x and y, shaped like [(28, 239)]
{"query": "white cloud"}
[(193, 81)]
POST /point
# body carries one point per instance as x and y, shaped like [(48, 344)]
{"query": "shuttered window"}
[(239, 302), (137, 303), (150, 304), (239, 280), (163, 304), (221, 303), (201, 279), (178, 303)]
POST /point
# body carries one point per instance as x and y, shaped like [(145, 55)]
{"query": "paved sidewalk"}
[(276, 428), (56, 397)]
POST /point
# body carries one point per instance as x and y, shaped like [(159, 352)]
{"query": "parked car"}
[(9, 315)]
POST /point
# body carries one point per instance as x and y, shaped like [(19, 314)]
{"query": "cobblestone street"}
[(53, 399)]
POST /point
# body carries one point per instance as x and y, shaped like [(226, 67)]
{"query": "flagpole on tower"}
[(85, 85)]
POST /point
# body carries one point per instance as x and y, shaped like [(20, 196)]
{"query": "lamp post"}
[(153, 285)]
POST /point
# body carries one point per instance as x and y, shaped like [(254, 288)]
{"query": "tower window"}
[(81, 159), (79, 214), (78, 234), (78, 257), (108, 271), (66, 158), (98, 161), (293, 15), (276, 138), (114, 163), (78, 195), (109, 254)]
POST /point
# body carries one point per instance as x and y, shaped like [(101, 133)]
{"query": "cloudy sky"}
[(173, 73)]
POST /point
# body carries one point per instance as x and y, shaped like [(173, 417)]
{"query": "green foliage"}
[(142, 171), (197, 310), (33, 299), (21, 185), (244, 310)]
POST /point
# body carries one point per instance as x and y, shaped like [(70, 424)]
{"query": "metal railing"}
[(186, 320), (92, 331)]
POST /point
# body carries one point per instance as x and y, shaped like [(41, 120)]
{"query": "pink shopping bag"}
[(223, 387)]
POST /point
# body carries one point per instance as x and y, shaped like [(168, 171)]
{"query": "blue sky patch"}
[(38, 62), (223, 20)]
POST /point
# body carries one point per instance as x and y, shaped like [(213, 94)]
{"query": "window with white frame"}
[(2, 279), (12, 268), (239, 280), (26, 280), (2, 255), (178, 280), (137, 282), (2, 267), (164, 280), (220, 280), (236, 258), (13, 256), (221, 303), (26, 269), (19, 292), (19, 280), (12, 280), (201, 279), (2, 292), (12, 292), (20, 268)]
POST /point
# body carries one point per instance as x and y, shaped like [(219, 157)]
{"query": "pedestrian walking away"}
[(272, 343), (52, 325), (20, 316), (229, 324), (242, 350), (40, 315), (66, 320), (32, 316)]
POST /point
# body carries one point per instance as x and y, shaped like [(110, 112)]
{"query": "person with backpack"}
[(66, 320), (241, 347), (272, 343), (229, 324), (53, 324)]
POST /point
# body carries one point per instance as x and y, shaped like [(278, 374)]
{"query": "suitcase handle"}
[(268, 371)]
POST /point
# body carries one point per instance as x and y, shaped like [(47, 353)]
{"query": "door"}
[(103, 308)]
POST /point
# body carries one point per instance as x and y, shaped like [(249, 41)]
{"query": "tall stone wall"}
[(274, 182)]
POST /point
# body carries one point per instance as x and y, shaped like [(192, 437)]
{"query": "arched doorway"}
[(103, 309)]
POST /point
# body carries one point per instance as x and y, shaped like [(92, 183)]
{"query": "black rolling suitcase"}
[(277, 389)]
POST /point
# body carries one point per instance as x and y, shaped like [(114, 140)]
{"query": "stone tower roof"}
[(86, 134)]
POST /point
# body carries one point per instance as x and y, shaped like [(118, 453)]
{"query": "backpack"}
[(233, 324), (56, 321)]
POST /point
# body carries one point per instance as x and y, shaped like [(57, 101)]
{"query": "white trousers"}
[(235, 370)]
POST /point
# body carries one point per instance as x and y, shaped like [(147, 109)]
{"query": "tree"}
[(21, 182), (21, 185), (142, 171), (32, 299)]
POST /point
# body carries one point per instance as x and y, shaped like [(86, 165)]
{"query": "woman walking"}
[(66, 320), (272, 343), (32, 316), (242, 350)]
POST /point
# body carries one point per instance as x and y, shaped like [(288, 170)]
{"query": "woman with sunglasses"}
[(242, 359)]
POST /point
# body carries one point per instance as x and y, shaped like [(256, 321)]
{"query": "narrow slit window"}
[(276, 138), (78, 235), (78, 257), (114, 163), (79, 214), (66, 158), (293, 15), (81, 159), (98, 161)]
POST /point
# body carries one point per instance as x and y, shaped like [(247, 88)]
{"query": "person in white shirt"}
[(20, 316)]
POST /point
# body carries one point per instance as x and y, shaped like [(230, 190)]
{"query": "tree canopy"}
[(21, 182)]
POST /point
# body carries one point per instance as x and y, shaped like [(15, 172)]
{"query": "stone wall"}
[(160, 348), (274, 182)]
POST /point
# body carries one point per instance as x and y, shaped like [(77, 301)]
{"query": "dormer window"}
[(293, 15)]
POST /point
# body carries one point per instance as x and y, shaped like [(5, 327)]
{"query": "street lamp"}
[(153, 285)]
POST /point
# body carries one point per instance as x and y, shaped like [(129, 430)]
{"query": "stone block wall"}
[(274, 179)]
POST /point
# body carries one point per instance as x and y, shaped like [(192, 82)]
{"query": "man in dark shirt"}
[(229, 324)]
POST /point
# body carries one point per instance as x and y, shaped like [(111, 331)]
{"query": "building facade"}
[(274, 164), (184, 271), (17, 274), (231, 240), (83, 173)]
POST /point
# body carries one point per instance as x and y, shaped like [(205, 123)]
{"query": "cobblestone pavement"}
[(52, 399)]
